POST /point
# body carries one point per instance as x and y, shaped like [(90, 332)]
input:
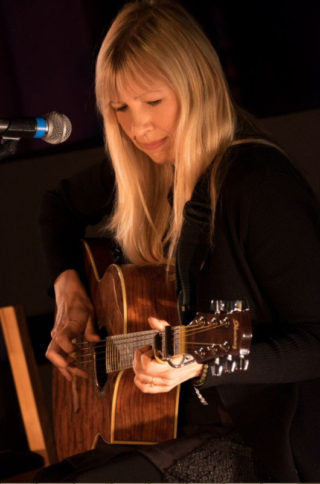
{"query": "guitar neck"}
[(222, 338), (120, 349)]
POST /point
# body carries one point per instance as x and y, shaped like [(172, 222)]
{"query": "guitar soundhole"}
[(99, 363), (100, 374)]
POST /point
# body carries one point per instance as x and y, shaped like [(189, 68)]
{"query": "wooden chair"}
[(34, 411)]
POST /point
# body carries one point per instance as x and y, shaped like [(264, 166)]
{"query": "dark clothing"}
[(265, 250), (101, 465), (219, 459)]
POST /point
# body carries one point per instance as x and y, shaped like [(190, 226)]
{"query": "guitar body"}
[(124, 297)]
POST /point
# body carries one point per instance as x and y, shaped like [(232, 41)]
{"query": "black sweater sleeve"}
[(82, 200), (280, 239)]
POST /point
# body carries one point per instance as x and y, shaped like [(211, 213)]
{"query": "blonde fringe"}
[(142, 222)]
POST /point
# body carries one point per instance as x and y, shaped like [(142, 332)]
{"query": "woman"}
[(197, 187)]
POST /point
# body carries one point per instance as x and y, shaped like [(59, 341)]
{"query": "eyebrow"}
[(137, 97)]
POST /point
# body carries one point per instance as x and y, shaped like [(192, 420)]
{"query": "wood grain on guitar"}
[(114, 408)]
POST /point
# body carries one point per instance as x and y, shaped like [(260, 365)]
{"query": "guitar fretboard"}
[(120, 349)]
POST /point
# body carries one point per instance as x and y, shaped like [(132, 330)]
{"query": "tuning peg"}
[(213, 320), (226, 322), (226, 346), (228, 364), (217, 368), (202, 351), (214, 367), (231, 364), (214, 348), (222, 305), (217, 306), (198, 319), (243, 363), (238, 305), (235, 365)]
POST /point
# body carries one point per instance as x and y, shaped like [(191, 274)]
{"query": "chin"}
[(162, 160)]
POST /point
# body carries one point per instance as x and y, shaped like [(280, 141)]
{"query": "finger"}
[(64, 362), (58, 360), (66, 333), (141, 356), (63, 340), (151, 385), (65, 373), (68, 372), (74, 370), (90, 333), (144, 350), (158, 324), (66, 368)]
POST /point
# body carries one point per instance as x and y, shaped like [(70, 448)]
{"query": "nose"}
[(141, 123)]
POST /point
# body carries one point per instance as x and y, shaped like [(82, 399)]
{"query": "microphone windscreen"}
[(59, 128)]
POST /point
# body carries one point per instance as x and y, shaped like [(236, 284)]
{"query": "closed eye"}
[(121, 108), (154, 103)]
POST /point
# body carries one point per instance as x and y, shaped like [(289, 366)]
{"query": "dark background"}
[(270, 52), (269, 49)]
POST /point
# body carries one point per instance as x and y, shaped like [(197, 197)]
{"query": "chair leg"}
[(26, 378)]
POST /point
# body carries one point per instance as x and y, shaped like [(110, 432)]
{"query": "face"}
[(149, 117)]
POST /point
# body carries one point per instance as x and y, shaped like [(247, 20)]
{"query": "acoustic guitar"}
[(109, 406)]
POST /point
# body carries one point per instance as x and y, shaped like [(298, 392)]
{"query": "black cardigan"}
[(265, 249)]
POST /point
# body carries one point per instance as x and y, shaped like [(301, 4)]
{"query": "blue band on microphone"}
[(42, 128)]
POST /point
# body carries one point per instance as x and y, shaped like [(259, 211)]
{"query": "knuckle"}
[(59, 338), (142, 387), (48, 355), (145, 388), (137, 382), (145, 360)]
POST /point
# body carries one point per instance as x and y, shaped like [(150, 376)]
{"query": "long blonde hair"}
[(159, 38)]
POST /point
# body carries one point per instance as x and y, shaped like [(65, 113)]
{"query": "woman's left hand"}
[(154, 377)]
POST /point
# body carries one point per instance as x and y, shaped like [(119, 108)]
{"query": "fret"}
[(120, 349)]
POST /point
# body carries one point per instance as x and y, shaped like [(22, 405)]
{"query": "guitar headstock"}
[(223, 337)]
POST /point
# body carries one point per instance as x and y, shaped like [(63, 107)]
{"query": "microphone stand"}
[(8, 147)]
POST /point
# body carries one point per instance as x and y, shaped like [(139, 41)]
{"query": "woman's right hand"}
[(74, 317)]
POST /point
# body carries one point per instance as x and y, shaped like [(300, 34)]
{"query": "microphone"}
[(53, 128)]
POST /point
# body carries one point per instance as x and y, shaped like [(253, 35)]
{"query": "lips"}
[(154, 144)]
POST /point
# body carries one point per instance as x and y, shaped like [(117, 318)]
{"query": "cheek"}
[(171, 117), (124, 123)]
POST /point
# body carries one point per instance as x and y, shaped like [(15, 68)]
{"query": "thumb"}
[(156, 323)]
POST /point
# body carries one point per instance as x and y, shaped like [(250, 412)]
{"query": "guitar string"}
[(85, 346), (109, 359), (131, 336), (115, 344), (193, 328), (121, 336), (114, 355), (111, 347), (112, 358)]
